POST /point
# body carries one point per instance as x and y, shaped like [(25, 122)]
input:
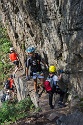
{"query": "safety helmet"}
[(30, 49), (11, 48), (52, 69), (11, 76)]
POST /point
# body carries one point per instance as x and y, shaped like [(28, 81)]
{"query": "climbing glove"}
[(61, 71)]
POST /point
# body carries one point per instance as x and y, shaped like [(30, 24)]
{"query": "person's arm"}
[(60, 76), (10, 56), (45, 64), (13, 83), (26, 71), (27, 76), (17, 56), (27, 68)]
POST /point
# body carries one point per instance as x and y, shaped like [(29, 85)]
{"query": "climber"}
[(11, 84), (9, 88), (13, 56), (53, 88), (34, 62)]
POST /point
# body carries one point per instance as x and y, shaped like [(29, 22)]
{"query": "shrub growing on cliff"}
[(12, 112), (4, 49)]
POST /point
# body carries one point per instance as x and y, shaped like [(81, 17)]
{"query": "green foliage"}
[(7, 111), (37, 109), (5, 46), (24, 105), (76, 97), (1, 66), (4, 50), (14, 111), (81, 99)]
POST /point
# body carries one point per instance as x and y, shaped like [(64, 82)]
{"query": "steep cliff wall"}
[(55, 27)]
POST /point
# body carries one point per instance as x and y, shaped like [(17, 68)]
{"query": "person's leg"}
[(35, 88), (16, 63), (17, 66), (10, 94), (41, 78), (42, 82), (41, 86), (50, 100), (35, 85), (61, 96), (16, 69), (35, 81), (61, 93)]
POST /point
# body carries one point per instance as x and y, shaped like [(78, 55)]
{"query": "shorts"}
[(11, 88), (38, 75), (16, 62)]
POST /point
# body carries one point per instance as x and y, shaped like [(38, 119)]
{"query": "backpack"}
[(3, 97), (47, 86), (7, 84)]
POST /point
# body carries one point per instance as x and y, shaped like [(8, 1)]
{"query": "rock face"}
[(25, 88), (71, 119), (54, 27)]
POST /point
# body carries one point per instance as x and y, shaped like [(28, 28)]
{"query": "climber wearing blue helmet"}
[(34, 62), (30, 49)]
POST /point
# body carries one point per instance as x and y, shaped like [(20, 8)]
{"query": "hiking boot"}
[(51, 106), (61, 104)]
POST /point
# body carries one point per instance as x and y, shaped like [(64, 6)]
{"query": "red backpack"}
[(47, 86)]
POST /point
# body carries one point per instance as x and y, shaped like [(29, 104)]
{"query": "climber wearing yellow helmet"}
[(53, 87)]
